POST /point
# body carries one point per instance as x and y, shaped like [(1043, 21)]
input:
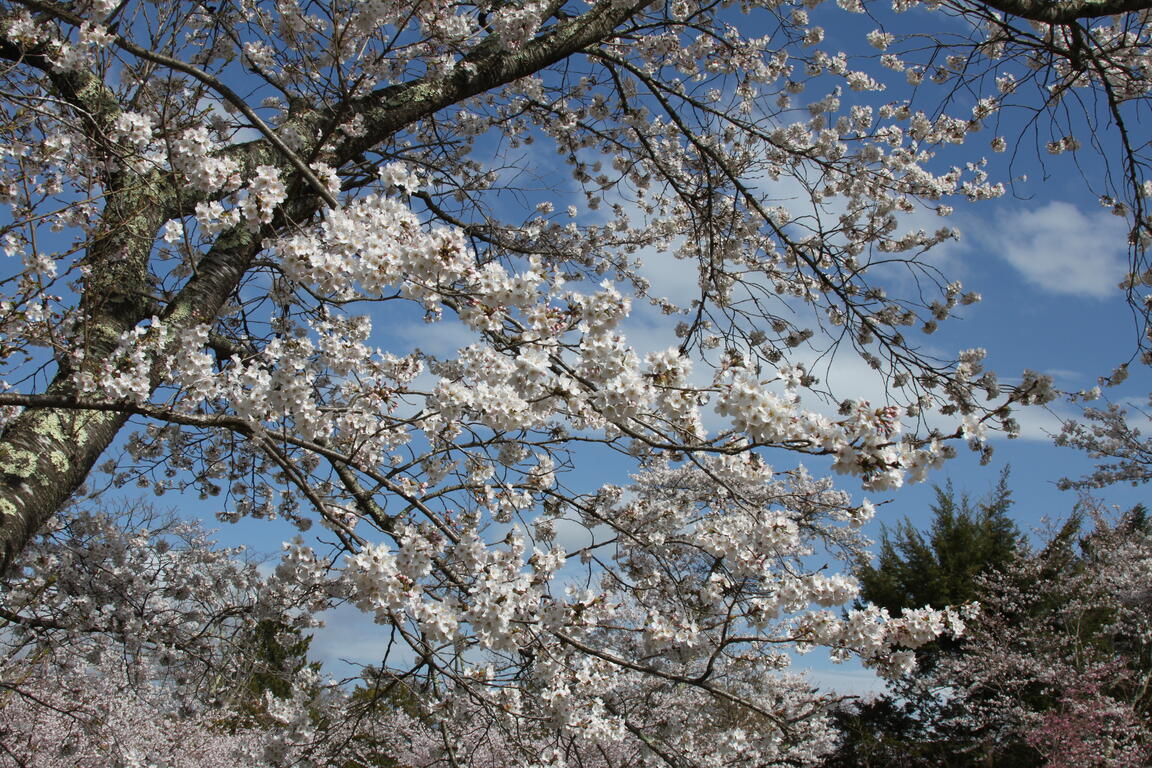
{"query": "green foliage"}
[(380, 695), (876, 733), (966, 539), (278, 654), (267, 660)]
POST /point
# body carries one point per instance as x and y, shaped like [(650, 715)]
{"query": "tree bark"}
[(1067, 11)]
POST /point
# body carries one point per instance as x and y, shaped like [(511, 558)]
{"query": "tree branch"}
[(1066, 11)]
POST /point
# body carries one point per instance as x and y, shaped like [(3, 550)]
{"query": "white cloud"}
[(1060, 249), (350, 636), (1039, 423), (846, 679)]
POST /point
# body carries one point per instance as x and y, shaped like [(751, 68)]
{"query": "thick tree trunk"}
[(47, 453)]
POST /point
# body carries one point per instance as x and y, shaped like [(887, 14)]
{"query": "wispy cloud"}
[(1061, 249), (350, 638), (848, 679)]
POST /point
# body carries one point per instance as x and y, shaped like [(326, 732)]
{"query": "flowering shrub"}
[(1090, 727)]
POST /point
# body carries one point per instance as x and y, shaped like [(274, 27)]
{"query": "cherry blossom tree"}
[(1057, 665), (230, 216), (1109, 435), (90, 716), (1053, 669), (128, 638)]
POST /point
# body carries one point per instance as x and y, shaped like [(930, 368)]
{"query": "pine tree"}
[(941, 567), (966, 539)]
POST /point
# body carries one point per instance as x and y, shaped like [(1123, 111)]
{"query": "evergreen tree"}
[(966, 539)]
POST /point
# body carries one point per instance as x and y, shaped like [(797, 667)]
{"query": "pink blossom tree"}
[(128, 638), (1055, 670), (1091, 726)]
